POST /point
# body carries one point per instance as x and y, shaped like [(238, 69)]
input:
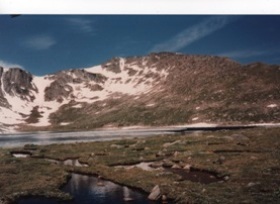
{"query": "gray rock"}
[(251, 184), (112, 65), (16, 82), (164, 199), (226, 178), (155, 193), (60, 89), (187, 167), (175, 166)]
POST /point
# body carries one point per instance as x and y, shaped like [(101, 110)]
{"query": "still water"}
[(44, 138), (89, 189)]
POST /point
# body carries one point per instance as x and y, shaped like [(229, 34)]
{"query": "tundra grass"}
[(246, 161)]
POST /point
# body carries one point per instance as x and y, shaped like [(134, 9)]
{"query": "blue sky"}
[(44, 44)]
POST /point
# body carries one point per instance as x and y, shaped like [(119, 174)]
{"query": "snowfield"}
[(115, 85)]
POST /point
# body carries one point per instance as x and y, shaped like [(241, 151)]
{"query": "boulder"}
[(175, 166), (164, 199), (187, 167), (226, 178), (155, 193)]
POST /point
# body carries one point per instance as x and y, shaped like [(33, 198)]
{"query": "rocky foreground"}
[(227, 166)]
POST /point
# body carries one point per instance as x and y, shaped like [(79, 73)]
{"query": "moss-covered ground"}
[(245, 161)]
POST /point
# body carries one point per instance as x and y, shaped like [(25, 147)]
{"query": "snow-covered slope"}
[(80, 85), (157, 89)]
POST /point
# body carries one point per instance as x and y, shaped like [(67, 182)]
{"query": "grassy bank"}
[(245, 163)]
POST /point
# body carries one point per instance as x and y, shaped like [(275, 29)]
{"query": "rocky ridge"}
[(157, 89)]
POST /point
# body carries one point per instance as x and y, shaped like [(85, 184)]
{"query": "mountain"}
[(157, 89)]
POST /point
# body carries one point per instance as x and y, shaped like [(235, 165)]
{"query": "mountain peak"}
[(158, 89)]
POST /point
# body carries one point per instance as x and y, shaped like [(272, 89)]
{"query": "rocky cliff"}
[(157, 89)]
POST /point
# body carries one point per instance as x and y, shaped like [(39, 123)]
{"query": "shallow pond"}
[(89, 189), (44, 138)]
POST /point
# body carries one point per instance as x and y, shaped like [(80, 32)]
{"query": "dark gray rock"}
[(3, 101), (60, 89), (57, 90), (113, 65), (15, 82)]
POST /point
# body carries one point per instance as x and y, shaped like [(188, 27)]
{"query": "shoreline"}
[(235, 155), (139, 128)]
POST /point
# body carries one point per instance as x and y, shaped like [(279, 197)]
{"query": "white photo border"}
[(140, 7)]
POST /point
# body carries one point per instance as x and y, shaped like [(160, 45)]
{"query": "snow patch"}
[(5, 69), (266, 124), (272, 106), (64, 123), (132, 127), (84, 94), (197, 125), (66, 89), (143, 165), (150, 105), (18, 155), (10, 117), (18, 107), (77, 106), (133, 87)]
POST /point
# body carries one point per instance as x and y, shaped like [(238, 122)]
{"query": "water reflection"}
[(85, 190), (44, 138)]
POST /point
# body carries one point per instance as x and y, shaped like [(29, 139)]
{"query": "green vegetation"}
[(247, 163), (24, 177)]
